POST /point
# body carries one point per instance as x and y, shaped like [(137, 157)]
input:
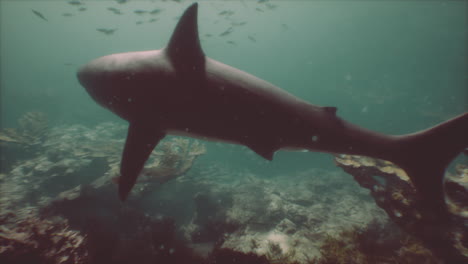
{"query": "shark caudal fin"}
[(425, 156)]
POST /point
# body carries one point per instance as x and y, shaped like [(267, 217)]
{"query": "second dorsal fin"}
[(184, 49), (330, 110)]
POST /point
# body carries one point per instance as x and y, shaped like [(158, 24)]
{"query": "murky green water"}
[(395, 67), (391, 66)]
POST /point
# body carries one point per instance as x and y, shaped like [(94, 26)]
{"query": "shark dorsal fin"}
[(184, 49)]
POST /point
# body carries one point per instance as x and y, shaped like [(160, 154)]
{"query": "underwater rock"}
[(22, 142), (272, 212), (33, 128), (122, 234), (393, 191), (456, 189), (77, 151), (229, 256), (209, 222), (27, 238), (172, 159), (282, 217), (375, 243)]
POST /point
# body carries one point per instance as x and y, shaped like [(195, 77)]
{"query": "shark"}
[(178, 90)]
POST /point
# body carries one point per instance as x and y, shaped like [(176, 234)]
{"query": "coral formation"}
[(71, 179), (26, 238), (275, 254), (279, 218), (21, 143), (393, 191), (180, 208), (33, 126), (376, 243), (229, 256), (172, 159)]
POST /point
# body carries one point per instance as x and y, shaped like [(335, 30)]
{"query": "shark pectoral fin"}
[(265, 150), (141, 140)]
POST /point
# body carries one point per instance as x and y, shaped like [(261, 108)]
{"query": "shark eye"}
[(315, 138)]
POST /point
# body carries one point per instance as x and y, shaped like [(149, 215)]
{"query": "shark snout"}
[(83, 76), (90, 80)]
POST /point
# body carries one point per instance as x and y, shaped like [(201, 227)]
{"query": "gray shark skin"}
[(178, 90)]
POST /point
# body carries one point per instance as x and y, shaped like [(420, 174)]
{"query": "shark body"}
[(178, 90)]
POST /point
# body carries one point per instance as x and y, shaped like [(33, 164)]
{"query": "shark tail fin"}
[(425, 156)]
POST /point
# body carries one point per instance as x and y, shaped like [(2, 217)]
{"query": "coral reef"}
[(133, 237), (21, 143), (185, 211), (26, 238), (229, 256), (393, 191), (276, 217), (172, 159), (376, 243), (68, 184), (32, 128)]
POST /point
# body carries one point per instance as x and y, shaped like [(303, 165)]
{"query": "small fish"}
[(226, 13), (114, 10), (208, 35), (106, 31), (238, 23), (121, 1), (271, 6), (152, 20), (231, 42), (67, 14), (39, 14), (259, 9), (81, 9), (139, 22), (155, 11), (140, 12), (75, 3), (227, 32), (252, 38)]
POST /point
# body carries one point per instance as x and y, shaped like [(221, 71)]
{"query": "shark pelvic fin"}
[(141, 141), (184, 49), (266, 151)]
